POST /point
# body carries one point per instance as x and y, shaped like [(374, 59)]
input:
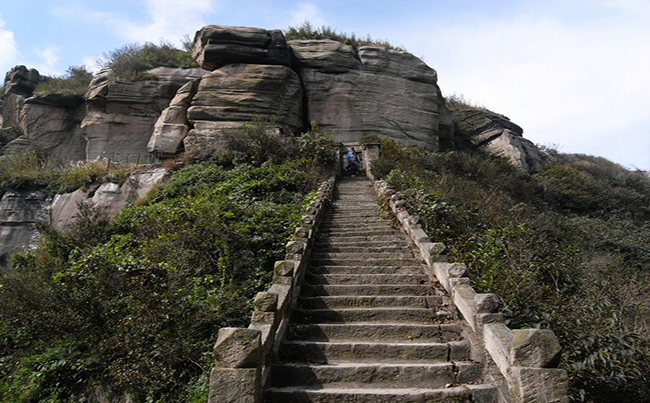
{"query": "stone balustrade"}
[(526, 358), (242, 356)]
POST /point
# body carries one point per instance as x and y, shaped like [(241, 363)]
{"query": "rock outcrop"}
[(236, 93), (249, 73), (370, 91), (122, 113), (19, 85), (19, 213), (245, 73), (21, 210), (51, 123), (216, 46), (476, 128)]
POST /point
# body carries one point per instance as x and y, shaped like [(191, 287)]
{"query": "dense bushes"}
[(74, 82), (135, 304), (130, 61), (565, 248), (33, 169)]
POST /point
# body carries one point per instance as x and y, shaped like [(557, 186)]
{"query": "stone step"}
[(327, 225), (457, 394), (345, 375), (353, 207), (372, 352), (385, 248), (418, 315), (377, 332), (360, 231), (384, 289), (378, 240), (390, 254), (369, 270), (369, 301), (352, 279), (363, 262)]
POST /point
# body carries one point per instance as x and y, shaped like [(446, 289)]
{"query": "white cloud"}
[(48, 60), (8, 48), (579, 83), (168, 19), (308, 12)]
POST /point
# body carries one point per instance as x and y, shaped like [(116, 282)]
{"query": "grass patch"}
[(306, 31)]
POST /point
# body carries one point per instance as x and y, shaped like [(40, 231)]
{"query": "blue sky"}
[(572, 73)]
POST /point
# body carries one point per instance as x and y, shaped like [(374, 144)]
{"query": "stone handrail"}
[(527, 358), (243, 356)]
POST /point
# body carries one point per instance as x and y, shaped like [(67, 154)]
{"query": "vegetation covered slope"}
[(134, 304), (565, 248)]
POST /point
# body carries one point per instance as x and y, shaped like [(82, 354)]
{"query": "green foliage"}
[(134, 304), (306, 31), (74, 82), (131, 60), (33, 169), (564, 248)]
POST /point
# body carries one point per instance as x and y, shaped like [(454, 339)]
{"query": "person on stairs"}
[(353, 162)]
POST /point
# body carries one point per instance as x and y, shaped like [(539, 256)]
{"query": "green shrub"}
[(135, 304), (306, 31), (74, 82), (131, 60), (458, 101), (564, 248), (32, 169)]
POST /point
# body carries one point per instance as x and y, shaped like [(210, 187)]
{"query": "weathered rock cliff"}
[(476, 128), (121, 114), (52, 124), (245, 73), (21, 210)]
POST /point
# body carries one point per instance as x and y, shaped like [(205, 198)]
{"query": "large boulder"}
[(235, 94), (21, 210), (216, 46), (51, 123), (20, 83), (19, 213), (172, 125), (496, 134), (109, 197), (370, 91), (122, 113)]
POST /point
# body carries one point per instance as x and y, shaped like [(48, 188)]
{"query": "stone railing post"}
[(526, 358), (370, 153), (243, 356), (237, 364)]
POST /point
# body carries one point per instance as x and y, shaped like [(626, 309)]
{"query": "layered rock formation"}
[(216, 46), (52, 124), (19, 85), (245, 73), (476, 128), (249, 73), (121, 114), (21, 210), (370, 91)]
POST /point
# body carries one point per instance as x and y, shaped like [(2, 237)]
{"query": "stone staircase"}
[(369, 326)]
